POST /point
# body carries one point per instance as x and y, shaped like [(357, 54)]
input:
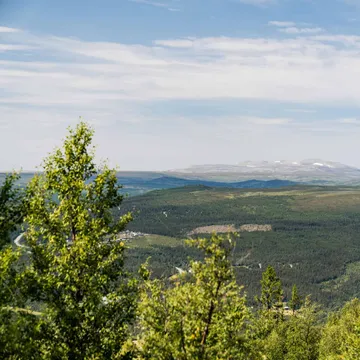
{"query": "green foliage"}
[(270, 314), (11, 207), (304, 333), (295, 301), (314, 242), (296, 338), (200, 315), (69, 295), (15, 319), (76, 263), (271, 290), (341, 339)]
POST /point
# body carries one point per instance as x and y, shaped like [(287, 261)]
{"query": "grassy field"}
[(314, 242)]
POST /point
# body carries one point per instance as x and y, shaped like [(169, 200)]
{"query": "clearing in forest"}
[(230, 229)]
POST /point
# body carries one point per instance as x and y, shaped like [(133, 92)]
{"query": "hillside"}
[(314, 238), (137, 183)]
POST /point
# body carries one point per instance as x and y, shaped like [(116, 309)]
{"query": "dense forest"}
[(75, 290), (313, 242)]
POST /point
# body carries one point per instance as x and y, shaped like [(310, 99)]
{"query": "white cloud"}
[(4, 29), (351, 121), (156, 4), (257, 2), (14, 47), (348, 40), (113, 83), (282, 23), (290, 27), (268, 121), (304, 111), (307, 69), (296, 30), (180, 43)]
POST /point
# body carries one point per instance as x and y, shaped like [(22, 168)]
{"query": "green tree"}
[(76, 264), (269, 317), (15, 319), (271, 290), (341, 338), (295, 338), (303, 333), (200, 315), (11, 207), (295, 301)]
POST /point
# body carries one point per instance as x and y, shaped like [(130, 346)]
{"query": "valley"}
[(312, 236), (309, 233)]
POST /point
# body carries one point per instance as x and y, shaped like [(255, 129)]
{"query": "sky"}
[(167, 84)]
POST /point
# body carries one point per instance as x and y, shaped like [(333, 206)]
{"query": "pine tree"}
[(271, 290), (269, 318), (295, 302)]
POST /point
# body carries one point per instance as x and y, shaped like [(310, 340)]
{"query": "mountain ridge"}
[(304, 171)]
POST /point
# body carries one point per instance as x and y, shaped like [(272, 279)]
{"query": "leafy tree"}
[(15, 319), (341, 339), (295, 301), (11, 207), (303, 333), (76, 271), (201, 315), (295, 338)]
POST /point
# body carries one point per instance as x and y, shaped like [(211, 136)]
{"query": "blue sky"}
[(172, 83)]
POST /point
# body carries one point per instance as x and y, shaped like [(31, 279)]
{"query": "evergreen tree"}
[(295, 302), (271, 290), (270, 315), (295, 338)]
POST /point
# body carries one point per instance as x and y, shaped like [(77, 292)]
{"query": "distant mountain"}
[(140, 185), (306, 170), (137, 183), (169, 182)]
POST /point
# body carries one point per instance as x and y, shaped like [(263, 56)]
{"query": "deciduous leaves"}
[(76, 266), (341, 339), (201, 315), (11, 207)]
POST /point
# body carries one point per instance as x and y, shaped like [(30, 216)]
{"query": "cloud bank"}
[(47, 80)]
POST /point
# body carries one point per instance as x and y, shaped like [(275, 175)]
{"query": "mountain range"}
[(248, 174), (310, 171)]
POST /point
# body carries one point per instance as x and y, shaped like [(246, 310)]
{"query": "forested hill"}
[(313, 242), (135, 185), (169, 182)]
